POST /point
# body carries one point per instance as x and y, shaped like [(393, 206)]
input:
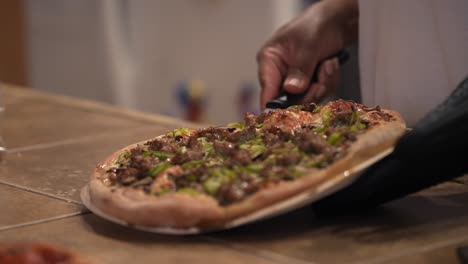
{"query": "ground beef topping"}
[(232, 162)]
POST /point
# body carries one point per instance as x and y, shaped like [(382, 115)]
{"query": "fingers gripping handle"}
[(286, 99)]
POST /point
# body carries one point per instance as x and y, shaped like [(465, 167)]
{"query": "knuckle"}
[(266, 53), (261, 54)]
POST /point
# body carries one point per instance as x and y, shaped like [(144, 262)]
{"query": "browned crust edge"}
[(182, 211)]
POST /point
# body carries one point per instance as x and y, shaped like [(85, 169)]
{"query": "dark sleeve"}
[(436, 150)]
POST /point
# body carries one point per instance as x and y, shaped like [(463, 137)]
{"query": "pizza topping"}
[(287, 120), (159, 168), (334, 138), (230, 163), (180, 132), (311, 142), (161, 155), (369, 109), (189, 191), (239, 125), (163, 181)]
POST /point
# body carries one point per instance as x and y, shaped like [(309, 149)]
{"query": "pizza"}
[(37, 253), (207, 177)]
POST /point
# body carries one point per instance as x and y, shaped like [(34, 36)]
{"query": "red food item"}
[(37, 253)]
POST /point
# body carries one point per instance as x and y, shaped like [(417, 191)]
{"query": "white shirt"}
[(413, 53)]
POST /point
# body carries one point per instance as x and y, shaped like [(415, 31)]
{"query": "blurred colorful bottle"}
[(191, 98), (246, 99), (196, 101)]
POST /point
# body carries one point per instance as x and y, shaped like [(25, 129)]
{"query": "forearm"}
[(344, 13)]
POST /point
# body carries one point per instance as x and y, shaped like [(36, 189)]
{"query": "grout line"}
[(89, 105), (272, 256), (41, 221), (415, 251), (31, 190), (47, 145), (72, 140), (82, 139)]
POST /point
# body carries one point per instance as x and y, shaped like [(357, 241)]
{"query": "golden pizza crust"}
[(183, 210)]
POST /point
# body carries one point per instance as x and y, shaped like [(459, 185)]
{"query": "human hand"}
[(290, 57)]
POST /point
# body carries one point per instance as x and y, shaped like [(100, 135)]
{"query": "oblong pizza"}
[(207, 177)]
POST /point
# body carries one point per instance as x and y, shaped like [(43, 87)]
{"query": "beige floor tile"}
[(401, 227), (64, 169), (21, 207), (30, 121), (104, 242), (430, 255)]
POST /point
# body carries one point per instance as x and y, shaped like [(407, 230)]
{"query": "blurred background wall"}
[(169, 57), (12, 42)]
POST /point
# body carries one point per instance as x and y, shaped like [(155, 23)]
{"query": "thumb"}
[(298, 79)]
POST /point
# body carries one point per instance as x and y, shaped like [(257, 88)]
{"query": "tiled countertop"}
[(54, 142)]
